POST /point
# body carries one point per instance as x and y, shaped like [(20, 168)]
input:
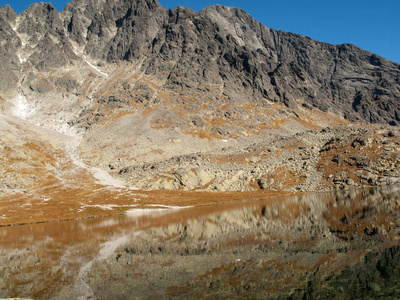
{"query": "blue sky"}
[(370, 24)]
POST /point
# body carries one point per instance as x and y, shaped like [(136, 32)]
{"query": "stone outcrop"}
[(9, 63)]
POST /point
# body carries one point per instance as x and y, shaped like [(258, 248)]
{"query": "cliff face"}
[(192, 52), (164, 98)]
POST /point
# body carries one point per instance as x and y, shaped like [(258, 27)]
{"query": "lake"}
[(342, 244)]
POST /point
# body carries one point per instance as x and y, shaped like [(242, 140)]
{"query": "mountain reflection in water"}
[(329, 245)]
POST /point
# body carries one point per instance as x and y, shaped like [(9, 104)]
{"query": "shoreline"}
[(169, 200), (144, 200)]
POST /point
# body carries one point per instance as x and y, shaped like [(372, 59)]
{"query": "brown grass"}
[(81, 200)]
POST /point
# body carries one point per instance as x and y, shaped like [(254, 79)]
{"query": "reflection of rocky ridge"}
[(284, 249), (327, 245), (359, 214), (376, 276)]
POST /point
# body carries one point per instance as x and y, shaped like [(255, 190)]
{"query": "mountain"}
[(135, 95), (222, 49)]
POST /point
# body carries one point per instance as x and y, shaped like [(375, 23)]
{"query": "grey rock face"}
[(9, 41), (44, 27), (227, 47), (220, 48)]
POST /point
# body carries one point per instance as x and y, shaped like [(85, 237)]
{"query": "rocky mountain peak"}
[(40, 18), (8, 13), (217, 46)]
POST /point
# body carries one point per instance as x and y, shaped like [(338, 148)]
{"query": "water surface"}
[(340, 244)]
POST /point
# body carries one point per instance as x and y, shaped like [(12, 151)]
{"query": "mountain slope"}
[(221, 49), (228, 48), (175, 99)]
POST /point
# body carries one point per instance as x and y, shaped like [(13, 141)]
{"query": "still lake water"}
[(340, 244)]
